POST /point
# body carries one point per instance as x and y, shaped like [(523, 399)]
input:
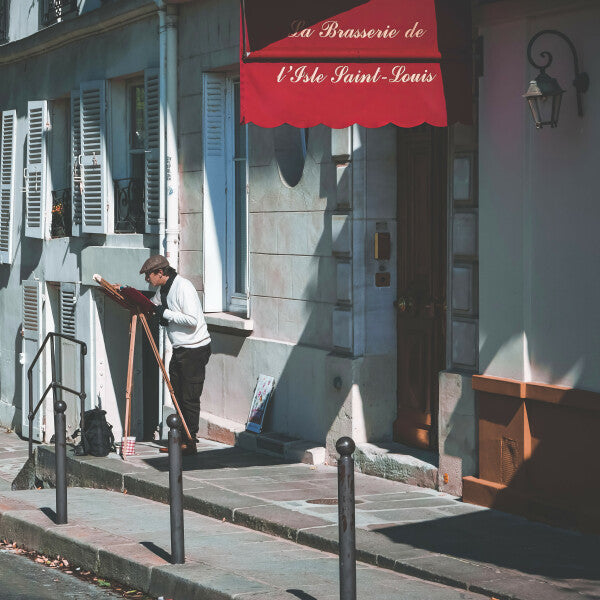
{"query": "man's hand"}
[(160, 309)]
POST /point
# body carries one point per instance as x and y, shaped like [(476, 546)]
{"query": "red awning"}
[(340, 62)]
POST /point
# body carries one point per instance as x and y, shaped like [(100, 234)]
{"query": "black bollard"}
[(60, 454), (345, 446), (176, 490)]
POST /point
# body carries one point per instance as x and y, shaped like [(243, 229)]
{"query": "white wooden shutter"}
[(32, 339), (69, 353), (75, 165), (153, 136), (93, 157), (214, 112), (36, 198), (8, 145), (68, 300)]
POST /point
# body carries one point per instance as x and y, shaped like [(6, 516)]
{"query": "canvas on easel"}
[(265, 386)]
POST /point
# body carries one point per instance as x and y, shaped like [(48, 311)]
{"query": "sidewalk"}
[(111, 533), (414, 531)]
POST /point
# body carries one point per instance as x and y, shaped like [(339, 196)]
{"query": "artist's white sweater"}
[(187, 326)]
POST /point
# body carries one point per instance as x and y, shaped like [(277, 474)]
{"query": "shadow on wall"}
[(18, 373), (295, 409), (4, 276)]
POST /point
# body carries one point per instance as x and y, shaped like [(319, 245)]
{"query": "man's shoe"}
[(187, 448)]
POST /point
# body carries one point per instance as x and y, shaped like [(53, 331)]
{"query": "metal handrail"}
[(54, 385)]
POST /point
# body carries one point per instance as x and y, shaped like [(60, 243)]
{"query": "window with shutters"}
[(225, 197), (137, 169), (7, 183)]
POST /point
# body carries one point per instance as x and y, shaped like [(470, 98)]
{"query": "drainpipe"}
[(169, 165), (172, 158), (169, 172)]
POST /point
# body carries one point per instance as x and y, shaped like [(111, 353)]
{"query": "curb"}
[(125, 562)]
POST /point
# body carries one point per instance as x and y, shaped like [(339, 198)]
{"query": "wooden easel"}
[(138, 306)]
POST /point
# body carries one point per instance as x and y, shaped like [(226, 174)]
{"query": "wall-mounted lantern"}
[(544, 94)]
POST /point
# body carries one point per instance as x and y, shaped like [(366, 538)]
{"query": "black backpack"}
[(97, 438)]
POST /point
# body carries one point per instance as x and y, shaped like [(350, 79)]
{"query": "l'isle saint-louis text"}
[(346, 74)]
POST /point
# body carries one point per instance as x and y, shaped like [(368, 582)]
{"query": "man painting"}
[(180, 312)]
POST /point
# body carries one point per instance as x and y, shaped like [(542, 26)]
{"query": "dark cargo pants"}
[(186, 371)]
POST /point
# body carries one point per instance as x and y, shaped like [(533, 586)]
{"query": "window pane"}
[(241, 243), (240, 130), (462, 178), (138, 125), (240, 227), (290, 152)]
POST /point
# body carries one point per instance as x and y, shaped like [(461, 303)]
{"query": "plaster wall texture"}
[(539, 207), (116, 53), (502, 127)]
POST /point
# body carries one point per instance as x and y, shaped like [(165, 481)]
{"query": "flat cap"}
[(154, 262)]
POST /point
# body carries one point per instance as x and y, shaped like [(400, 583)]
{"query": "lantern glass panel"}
[(546, 108), (535, 111), (556, 100)]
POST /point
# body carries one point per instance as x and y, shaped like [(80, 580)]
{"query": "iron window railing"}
[(129, 206), (56, 10), (4, 7), (61, 213)]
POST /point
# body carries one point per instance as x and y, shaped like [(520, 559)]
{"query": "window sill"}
[(222, 322)]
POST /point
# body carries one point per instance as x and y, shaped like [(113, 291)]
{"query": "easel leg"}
[(164, 373), (127, 428)]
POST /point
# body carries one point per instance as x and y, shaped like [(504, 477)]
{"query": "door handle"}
[(405, 304)]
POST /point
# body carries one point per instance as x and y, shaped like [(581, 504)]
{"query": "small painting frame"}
[(265, 386)]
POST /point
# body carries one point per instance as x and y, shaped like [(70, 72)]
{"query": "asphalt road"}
[(23, 579)]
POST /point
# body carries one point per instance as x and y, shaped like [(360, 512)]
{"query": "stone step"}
[(283, 446), (398, 463)]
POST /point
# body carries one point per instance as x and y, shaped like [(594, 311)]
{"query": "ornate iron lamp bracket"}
[(581, 81)]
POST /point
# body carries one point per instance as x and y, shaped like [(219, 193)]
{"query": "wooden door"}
[(421, 303)]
